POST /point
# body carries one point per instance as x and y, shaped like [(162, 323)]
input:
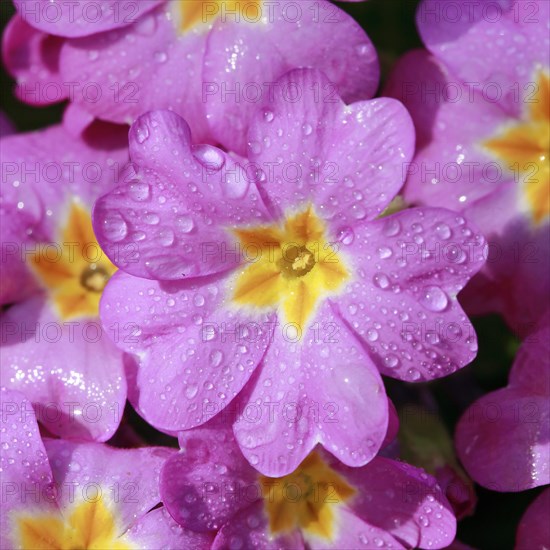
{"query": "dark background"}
[(390, 25)]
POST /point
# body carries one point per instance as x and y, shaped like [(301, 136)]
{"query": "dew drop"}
[(139, 191), (433, 298), (443, 231), (381, 281), (392, 227), (115, 227)]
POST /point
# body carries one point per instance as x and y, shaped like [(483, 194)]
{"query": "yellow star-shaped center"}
[(294, 267), (90, 525), (525, 149), (74, 270), (306, 499)]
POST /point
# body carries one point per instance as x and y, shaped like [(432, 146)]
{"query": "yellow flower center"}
[(74, 271), (293, 267), (306, 499), (194, 14), (90, 526), (525, 148)]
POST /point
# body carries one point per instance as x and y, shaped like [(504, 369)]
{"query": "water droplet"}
[(139, 191), (185, 224), (385, 252), (166, 237), (433, 298), (392, 227), (115, 227), (160, 57), (142, 132), (413, 374), (391, 361), (191, 391), (372, 335), (443, 231), (216, 358), (346, 235), (381, 280)]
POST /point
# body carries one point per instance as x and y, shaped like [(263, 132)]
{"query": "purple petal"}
[(503, 439), (69, 370), (534, 529), (81, 18), (157, 529), (27, 480), (195, 355), (249, 529), (456, 32), (129, 477), (168, 220), (324, 38), (321, 390), (32, 57), (208, 481), (409, 268), (348, 161), (450, 168), (160, 70), (403, 501)]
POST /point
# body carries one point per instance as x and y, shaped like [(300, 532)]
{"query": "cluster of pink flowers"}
[(236, 232)]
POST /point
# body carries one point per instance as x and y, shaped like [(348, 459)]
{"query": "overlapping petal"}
[(70, 370), (508, 30), (313, 391), (168, 219), (350, 161), (81, 18), (244, 62), (410, 266), (194, 355), (503, 439), (32, 57)]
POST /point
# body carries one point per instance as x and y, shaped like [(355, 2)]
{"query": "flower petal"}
[(32, 57), (154, 68), (81, 18), (167, 220), (409, 268), (456, 33), (195, 354), (250, 58), (534, 530), (403, 501), (249, 529), (347, 161), (26, 474), (208, 481), (69, 370), (503, 440), (322, 389), (157, 529), (451, 168), (127, 477)]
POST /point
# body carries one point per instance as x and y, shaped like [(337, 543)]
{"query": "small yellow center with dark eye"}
[(94, 278), (306, 499), (524, 148), (194, 14), (294, 267), (89, 525), (74, 270), (297, 261)]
